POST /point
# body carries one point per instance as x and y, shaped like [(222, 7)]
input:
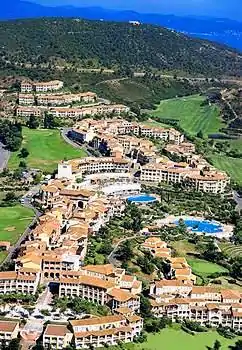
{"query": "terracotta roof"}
[(121, 295), (8, 275), (230, 294), (123, 310), (76, 193), (205, 289), (107, 269), (49, 188), (56, 330), (172, 283), (183, 272), (128, 278), (8, 326), (179, 301), (133, 318), (4, 243), (91, 281), (212, 306), (97, 320), (179, 260)]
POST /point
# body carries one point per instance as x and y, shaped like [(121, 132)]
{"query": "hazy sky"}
[(218, 8)]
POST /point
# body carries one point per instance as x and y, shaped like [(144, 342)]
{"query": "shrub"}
[(187, 330), (194, 326)]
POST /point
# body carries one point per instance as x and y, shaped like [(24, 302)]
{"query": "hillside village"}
[(81, 199)]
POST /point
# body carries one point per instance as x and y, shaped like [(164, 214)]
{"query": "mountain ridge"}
[(116, 45), (222, 30)]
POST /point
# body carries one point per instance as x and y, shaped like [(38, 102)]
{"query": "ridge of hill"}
[(97, 44)]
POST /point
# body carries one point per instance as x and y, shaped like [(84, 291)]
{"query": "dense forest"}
[(97, 44)]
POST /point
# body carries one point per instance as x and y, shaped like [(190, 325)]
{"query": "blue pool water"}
[(142, 198), (202, 226)]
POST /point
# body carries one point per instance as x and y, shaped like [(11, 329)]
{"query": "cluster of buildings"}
[(83, 197), (54, 256), (179, 267), (122, 326), (73, 112), (207, 305), (125, 140), (37, 98), (178, 298), (56, 99)]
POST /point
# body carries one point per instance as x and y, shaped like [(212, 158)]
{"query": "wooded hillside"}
[(96, 44)]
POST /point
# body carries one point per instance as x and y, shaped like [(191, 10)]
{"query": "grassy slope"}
[(203, 268), (199, 267), (46, 148), (17, 218), (232, 166), (172, 339), (231, 250), (191, 115)]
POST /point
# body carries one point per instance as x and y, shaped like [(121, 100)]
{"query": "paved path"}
[(4, 157), (238, 200), (64, 133), (111, 257)]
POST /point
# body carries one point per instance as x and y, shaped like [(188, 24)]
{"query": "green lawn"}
[(171, 339), (203, 268), (232, 166), (13, 222), (46, 148), (192, 116)]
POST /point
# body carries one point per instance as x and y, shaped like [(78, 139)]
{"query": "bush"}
[(194, 326), (187, 330), (226, 332), (217, 281)]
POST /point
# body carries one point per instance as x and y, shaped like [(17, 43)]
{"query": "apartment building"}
[(169, 135), (107, 330), (89, 111), (181, 270), (156, 247), (24, 281), (160, 172), (209, 181), (8, 331), (91, 165), (48, 86), (185, 149), (82, 134), (41, 86), (65, 99), (90, 288), (28, 111), (204, 304), (26, 99), (57, 337), (60, 262), (119, 298)]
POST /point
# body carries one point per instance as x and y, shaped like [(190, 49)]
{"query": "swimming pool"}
[(142, 198), (205, 226)]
